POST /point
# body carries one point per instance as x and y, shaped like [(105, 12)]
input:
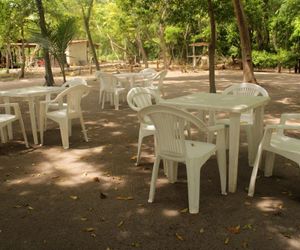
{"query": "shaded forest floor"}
[(92, 196)]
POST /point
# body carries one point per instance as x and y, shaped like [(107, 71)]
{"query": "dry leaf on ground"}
[(179, 237), (234, 229), (74, 197), (124, 198)]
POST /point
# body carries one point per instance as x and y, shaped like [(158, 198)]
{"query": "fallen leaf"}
[(226, 241), (89, 229), (184, 210), (133, 158), (96, 179), (74, 197), (55, 177), (93, 235), (245, 244), (234, 229), (120, 223), (126, 198), (135, 244), (248, 226), (83, 219), (103, 196), (286, 235), (201, 230), (17, 206), (179, 237), (30, 208)]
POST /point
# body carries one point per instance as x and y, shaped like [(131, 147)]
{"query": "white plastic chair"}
[(64, 116), (138, 98), (145, 78), (247, 118), (156, 82), (274, 142), (171, 145), (109, 88), (6, 119), (73, 82)]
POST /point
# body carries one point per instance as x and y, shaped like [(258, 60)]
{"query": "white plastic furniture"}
[(171, 145), (32, 96), (276, 142), (138, 98), (6, 119), (110, 89), (147, 76), (247, 119), (73, 82), (65, 116), (156, 82), (235, 105)]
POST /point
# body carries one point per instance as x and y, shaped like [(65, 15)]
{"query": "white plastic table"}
[(31, 95), (131, 77), (234, 105)]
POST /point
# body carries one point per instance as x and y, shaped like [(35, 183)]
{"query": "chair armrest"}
[(283, 127), (215, 127), (289, 116)]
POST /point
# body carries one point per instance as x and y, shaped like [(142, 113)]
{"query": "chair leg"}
[(63, 126), (23, 131), (154, 179), (103, 99), (116, 101), (70, 127), (251, 149), (140, 141), (254, 171), (83, 128), (172, 170), (269, 163), (3, 132), (43, 119), (221, 158), (193, 180), (100, 96)]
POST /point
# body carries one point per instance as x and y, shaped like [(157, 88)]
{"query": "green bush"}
[(264, 59)]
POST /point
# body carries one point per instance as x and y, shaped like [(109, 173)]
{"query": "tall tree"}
[(212, 47), (44, 33), (248, 73), (86, 15)]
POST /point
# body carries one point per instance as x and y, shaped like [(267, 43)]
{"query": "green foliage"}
[(264, 59)]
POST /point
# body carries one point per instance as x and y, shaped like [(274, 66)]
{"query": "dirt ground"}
[(92, 196)]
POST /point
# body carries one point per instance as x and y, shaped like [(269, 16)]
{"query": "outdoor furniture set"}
[(170, 123), (245, 105)]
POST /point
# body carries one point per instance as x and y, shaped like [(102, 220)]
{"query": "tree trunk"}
[(142, 50), (248, 73), (163, 46), (22, 73), (212, 48), (8, 58), (44, 32), (86, 20)]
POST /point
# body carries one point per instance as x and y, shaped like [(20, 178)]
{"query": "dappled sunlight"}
[(268, 204), (170, 212), (286, 100)]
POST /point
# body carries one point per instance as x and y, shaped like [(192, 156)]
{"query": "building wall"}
[(77, 54)]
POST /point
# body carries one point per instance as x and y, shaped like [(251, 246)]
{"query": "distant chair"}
[(138, 98), (247, 119), (6, 119), (156, 82), (171, 145), (109, 89), (64, 116), (274, 142)]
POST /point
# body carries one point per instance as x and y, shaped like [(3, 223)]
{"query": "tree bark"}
[(212, 48), (163, 46), (8, 57), (22, 73), (248, 73), (48, 70), (86, 20), (142, 50)]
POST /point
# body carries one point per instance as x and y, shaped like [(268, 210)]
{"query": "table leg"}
[(234, 139), (33, 119), (8, 111)]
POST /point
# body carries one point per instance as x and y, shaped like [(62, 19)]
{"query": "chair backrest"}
[(74, 81), (139, 97), (160, 76), (73, 97), (170, 124), (148, 72), (108, 82), (245, 89)]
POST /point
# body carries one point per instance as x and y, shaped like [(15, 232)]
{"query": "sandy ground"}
[(92, 196)]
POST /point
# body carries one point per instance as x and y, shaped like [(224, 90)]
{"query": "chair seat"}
[(149, 127), (7, 118), (284, 143), (196, 149)]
